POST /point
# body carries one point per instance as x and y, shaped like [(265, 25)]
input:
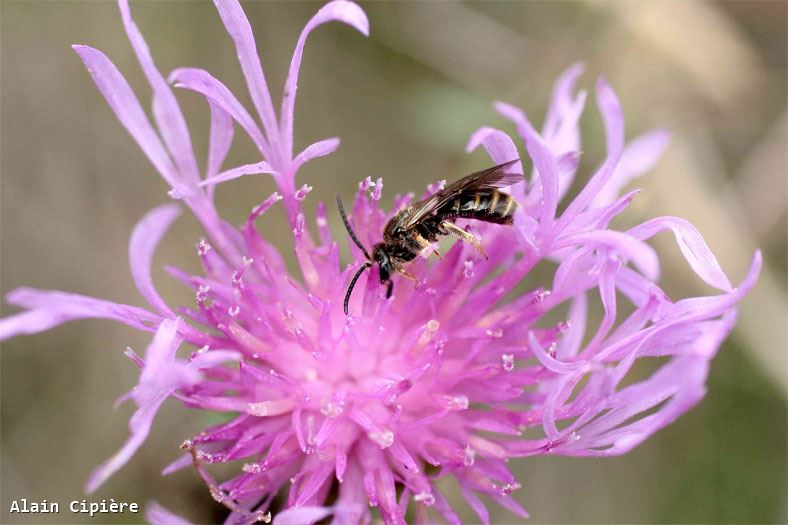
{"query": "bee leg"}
[(407, 274), (455, 230), (424, 244)]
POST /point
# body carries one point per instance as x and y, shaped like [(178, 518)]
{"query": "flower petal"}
[(127, 108), (613, 433), (692, 245), (240, 171), (500, 148), (623, 244), (569, 344), (202, 82), (476, 504), (640, 155), (161, 352), (704, 307), (51, 308), (613, 119), (351, 504), (545, 164), (144, 240), (221, 139), (302, 515), (561, 129), (156, 514), (139, 424), (549, 362), (158, 360), (313, 481), (166, 111), (313, 151), (337, 10), (214, 358), (237, 25)]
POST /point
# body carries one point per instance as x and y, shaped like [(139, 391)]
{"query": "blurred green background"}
[(404, 102)]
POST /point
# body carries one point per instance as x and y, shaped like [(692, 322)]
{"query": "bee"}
[(418, 226)]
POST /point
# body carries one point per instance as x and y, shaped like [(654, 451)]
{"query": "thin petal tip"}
[(349, 13), (476, 138)]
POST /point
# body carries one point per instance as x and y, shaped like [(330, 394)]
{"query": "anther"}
[(202, 293), (301, 193), (378, 191), (217, 494), (469, 456), (508, 488), (468, 272), (426, 498), (365, 184), (457, 403), (252, 468), (203, 247), (236, 279), (384, 438)]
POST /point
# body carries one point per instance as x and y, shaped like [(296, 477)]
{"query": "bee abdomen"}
[(488, 205)]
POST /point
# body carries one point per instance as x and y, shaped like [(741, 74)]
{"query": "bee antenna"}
[(353, 283), (352, 236)]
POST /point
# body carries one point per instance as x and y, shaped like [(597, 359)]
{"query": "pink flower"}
[(443, 378)]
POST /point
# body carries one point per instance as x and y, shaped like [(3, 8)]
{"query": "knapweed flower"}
[(452, 376)]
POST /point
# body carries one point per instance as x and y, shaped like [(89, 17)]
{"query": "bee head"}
[(383, 260), (379, 256)]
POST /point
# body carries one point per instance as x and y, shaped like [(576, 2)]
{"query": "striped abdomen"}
[(484, 205)]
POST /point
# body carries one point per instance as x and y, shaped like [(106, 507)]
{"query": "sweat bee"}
[(418, 226)]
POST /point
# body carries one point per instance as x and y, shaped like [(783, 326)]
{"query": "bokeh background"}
[(404, 102)]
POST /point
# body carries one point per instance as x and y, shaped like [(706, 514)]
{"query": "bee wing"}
[(486, 179)]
